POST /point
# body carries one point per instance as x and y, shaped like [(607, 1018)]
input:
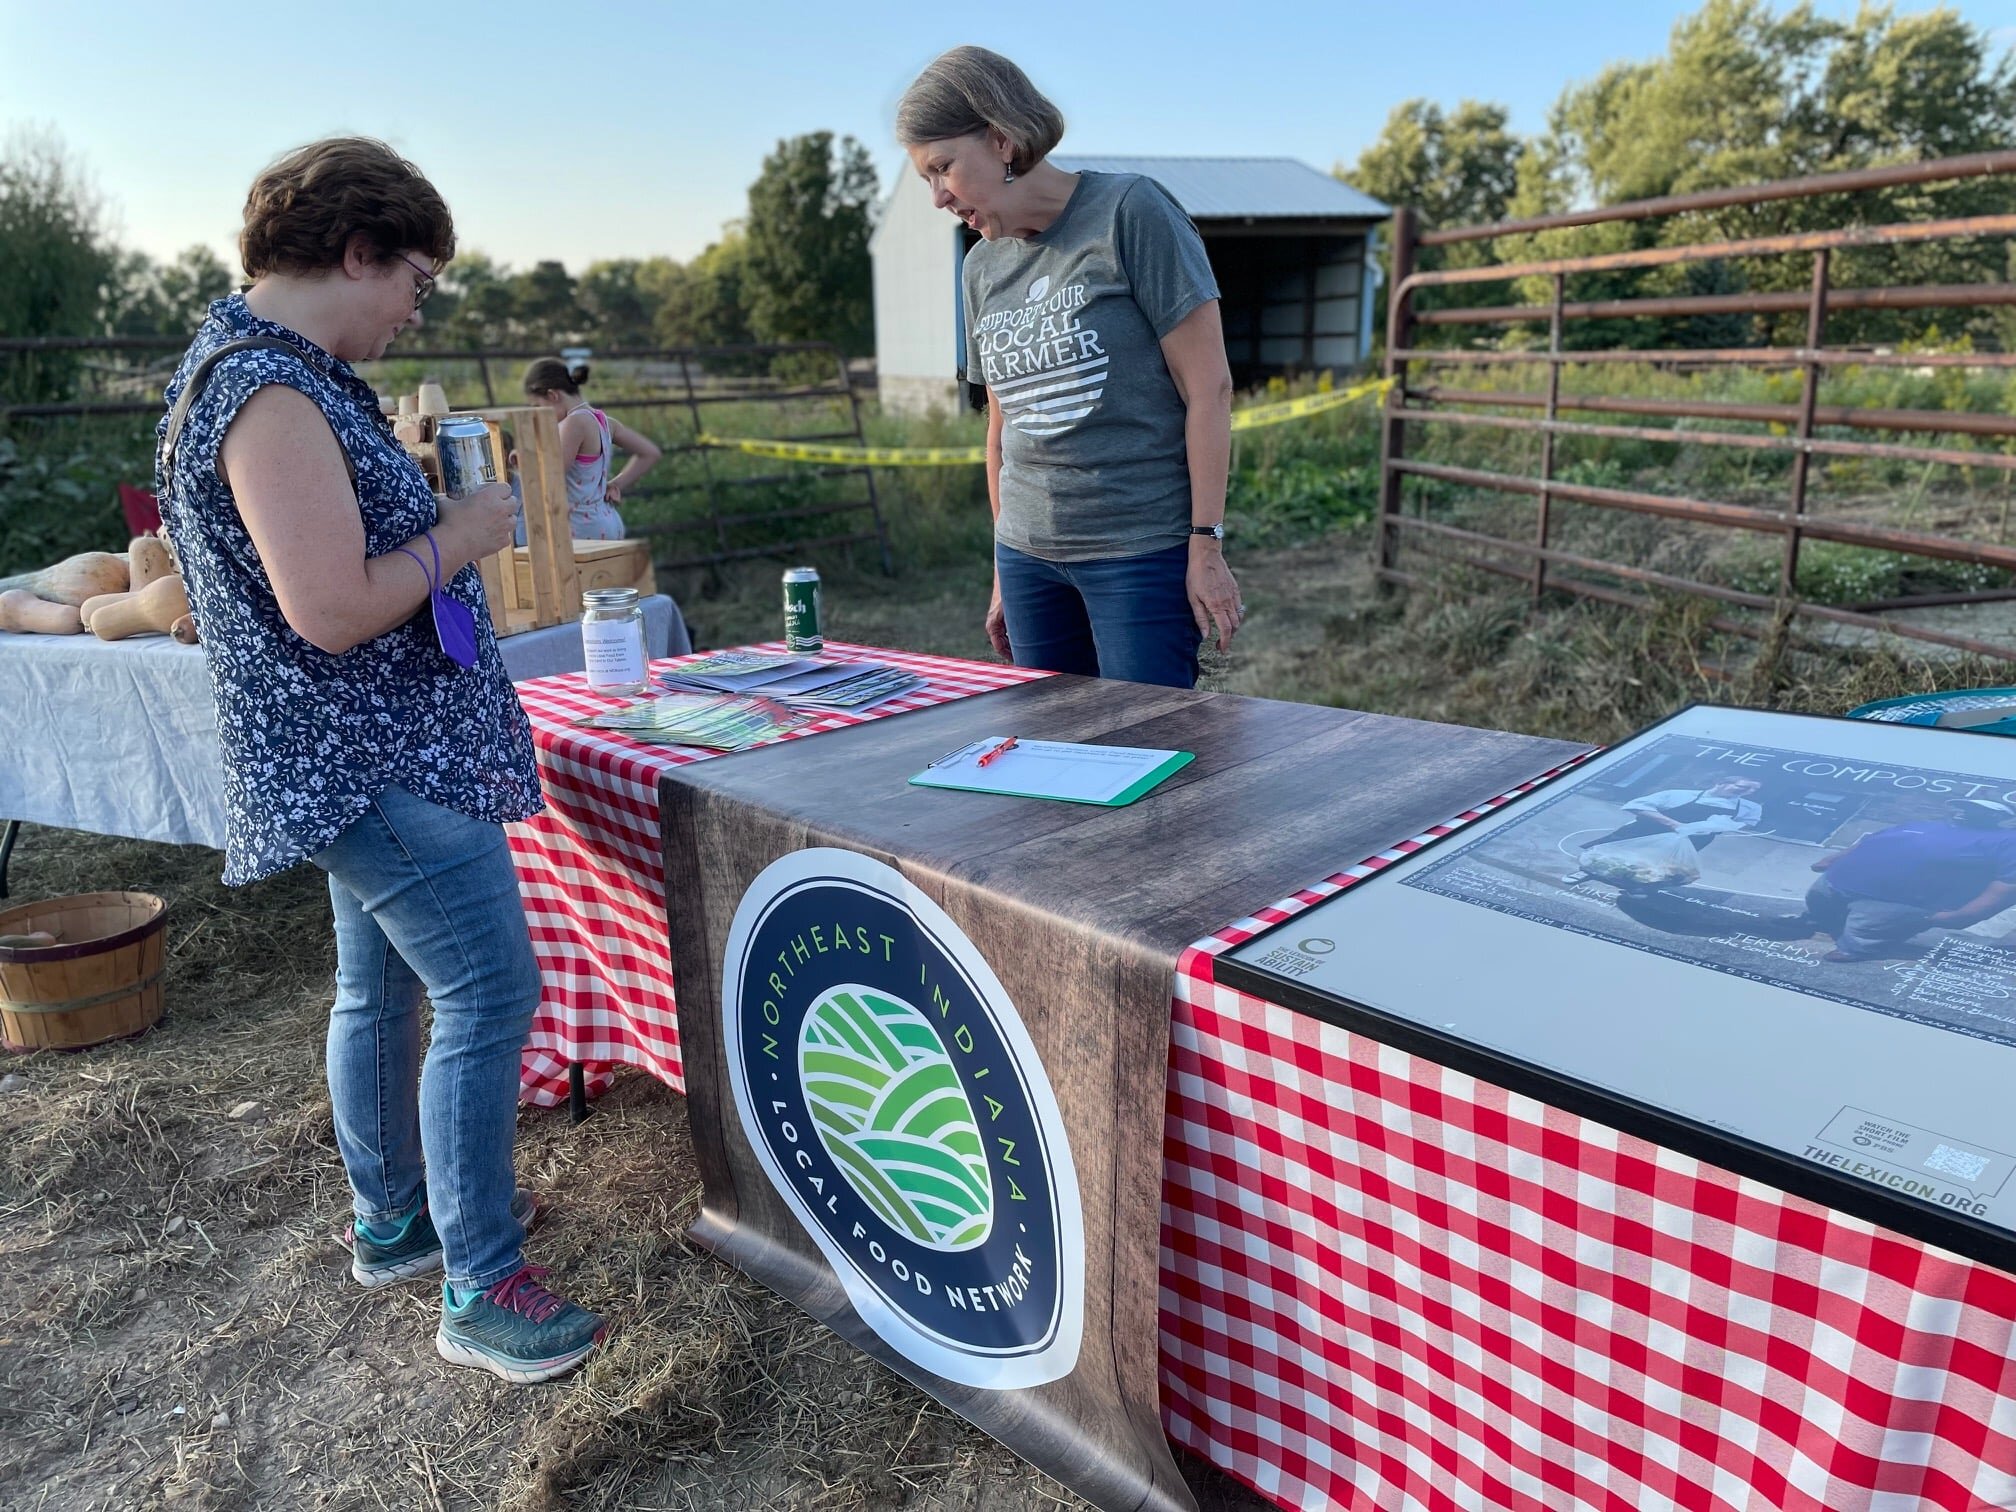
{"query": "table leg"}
[(577, 1092), (9, 829)]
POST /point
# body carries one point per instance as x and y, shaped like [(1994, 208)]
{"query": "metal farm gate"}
[(1429, 393), (706, 506)]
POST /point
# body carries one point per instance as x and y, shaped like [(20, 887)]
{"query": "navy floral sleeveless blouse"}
[(310, 738)]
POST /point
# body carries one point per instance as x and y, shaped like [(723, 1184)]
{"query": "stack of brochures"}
[(715, 722), (804, 682)]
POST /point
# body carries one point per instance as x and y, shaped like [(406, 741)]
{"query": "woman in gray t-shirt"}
[(1092, 319)]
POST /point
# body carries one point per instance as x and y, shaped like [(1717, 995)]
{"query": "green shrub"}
[(62, 498), (1833, 573)]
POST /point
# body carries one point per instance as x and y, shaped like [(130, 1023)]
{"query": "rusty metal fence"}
[(1421, 400), (693, 510)]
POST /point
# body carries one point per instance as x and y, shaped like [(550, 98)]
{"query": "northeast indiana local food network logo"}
[(894, 1098)]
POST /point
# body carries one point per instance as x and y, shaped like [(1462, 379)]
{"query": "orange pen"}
[(1006, 745)]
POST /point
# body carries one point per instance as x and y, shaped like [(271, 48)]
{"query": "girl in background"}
[(587, 439)]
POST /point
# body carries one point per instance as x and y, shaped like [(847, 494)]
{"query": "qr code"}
[(1961, 1165)]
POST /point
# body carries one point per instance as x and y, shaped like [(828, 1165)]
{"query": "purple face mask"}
[(454, 624)]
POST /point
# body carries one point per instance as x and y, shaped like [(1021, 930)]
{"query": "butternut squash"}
[(151, 611), (91, 606), (22, 612), (184, 630), (74, 579), (148, 561)]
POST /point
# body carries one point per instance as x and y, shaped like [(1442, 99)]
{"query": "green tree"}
[(146, 298), (810, 212), (1547, 185), (1746, 94), (545, 304), (615, 304), (132, 300), (1721, 107), (187, 286), (475, 304), (1456, 170), (657, 279), (702, 304), (55, 262)]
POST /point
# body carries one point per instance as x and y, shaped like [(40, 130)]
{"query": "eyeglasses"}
[(426, 285)]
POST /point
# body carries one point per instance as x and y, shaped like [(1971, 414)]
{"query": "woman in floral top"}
[(309, 543)]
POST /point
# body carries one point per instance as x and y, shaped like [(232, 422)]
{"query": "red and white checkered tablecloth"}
[(1391, 1287), (593, 875)]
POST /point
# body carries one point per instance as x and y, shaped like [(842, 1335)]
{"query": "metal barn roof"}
[(1234, 188)]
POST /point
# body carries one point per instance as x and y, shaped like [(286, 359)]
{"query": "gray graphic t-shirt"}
[(1065, 328)]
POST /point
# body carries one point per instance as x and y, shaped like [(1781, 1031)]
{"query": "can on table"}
[(801, 610), (463, 446)]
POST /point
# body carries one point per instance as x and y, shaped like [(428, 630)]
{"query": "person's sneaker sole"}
[(402, 1270), (525, 1207), (517, 1372)]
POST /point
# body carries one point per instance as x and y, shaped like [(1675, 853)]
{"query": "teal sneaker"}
[(517, 1329), (378, 1258)]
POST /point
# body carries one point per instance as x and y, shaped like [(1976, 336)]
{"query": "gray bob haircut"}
[(967, 90)]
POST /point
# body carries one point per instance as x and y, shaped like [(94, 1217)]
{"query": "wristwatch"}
[(1216, 532)]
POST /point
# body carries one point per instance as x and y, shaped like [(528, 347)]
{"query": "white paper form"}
[(1054, 769)]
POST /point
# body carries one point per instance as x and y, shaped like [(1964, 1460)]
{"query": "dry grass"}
[(177, 1326)]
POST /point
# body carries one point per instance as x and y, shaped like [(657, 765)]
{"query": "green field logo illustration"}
[(887, 1103)]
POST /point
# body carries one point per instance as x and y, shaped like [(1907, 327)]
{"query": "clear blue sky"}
[(580, 131)]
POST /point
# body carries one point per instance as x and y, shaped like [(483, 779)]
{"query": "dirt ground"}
[(177, 1324)]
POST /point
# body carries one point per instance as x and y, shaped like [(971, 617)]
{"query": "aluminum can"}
[(801, 610), (463, 447)]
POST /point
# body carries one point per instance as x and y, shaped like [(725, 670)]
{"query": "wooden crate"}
[(538, 584), (599, 564)]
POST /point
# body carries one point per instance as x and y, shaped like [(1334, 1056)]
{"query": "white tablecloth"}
[(120, 737)]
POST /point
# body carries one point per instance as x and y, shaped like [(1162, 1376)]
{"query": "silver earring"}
[(1008, 174)]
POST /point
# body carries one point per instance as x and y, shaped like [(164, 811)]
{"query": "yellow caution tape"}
[(857, 456), (1257, 415), (1249, 418)]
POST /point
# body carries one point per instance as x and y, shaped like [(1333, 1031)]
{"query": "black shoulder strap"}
[(180, 414)]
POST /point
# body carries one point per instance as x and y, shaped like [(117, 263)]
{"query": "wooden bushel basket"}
[(100, 981)]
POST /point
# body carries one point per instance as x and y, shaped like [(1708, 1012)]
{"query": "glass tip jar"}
[(612, 641)]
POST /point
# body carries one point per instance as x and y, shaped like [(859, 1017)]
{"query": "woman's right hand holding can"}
[(480, 524)]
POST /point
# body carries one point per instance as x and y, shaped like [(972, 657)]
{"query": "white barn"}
[(1292, 247)]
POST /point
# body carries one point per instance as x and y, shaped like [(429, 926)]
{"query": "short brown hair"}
[(551, 375), (305, 207), (965, 91)]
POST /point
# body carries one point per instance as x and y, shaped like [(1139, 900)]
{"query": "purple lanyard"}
[(454, 624)]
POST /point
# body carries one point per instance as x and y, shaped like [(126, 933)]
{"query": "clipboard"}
[(1061, 770)]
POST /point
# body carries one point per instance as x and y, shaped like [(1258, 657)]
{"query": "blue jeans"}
[(427, 901), (1122, 617)]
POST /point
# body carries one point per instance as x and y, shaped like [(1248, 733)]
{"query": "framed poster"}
[(1783, 943)]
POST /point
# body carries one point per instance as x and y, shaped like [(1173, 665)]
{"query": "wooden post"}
[(556, 587), (495, 576)]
